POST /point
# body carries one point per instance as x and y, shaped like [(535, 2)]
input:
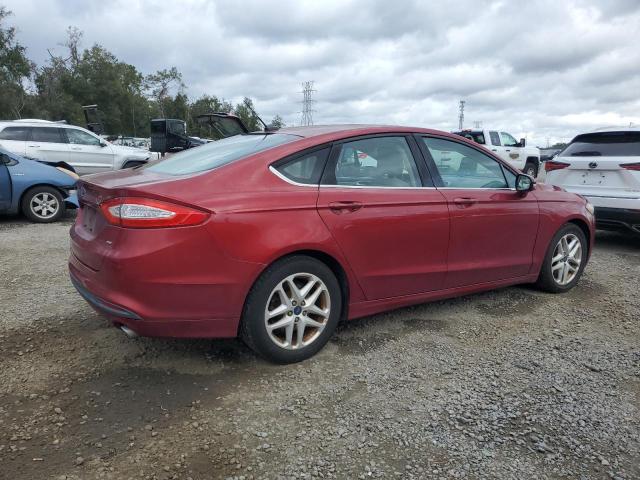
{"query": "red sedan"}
[(278, 236)]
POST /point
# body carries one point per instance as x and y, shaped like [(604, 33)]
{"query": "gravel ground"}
[(508, 384)]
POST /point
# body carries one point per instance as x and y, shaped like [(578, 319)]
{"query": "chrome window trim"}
[(476, 188), (273, 170), (315, 185), (378, 188)]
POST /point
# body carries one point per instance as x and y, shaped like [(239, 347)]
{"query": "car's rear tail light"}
[(631, 166), (551, 165), (134, 212)]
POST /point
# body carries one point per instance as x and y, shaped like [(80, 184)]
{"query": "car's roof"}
[(615, 129), (350, 130), (34, 123)]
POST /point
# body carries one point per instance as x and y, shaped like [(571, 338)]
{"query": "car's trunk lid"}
[(602, 174)]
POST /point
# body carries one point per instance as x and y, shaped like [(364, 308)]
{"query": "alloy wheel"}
[(297, 311), (44, 205), (566, 259)]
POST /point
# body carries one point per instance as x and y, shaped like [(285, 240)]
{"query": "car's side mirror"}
[(524, 183), (7, 160), (523, 142), (103, 143)]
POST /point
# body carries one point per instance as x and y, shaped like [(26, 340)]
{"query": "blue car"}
[(40, 191)]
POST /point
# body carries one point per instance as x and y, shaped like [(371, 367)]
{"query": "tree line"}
[(126, 98)]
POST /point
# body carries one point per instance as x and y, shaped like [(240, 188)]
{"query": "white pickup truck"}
[(524, 158)]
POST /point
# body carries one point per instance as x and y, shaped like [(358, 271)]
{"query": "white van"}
[(57, 142)]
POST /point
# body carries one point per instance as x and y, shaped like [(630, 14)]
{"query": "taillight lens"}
[(631, 166), (134, 212), (551, 165)]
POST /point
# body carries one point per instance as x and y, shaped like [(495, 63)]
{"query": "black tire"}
[(531, 169), (253, 329), (53, 198), (546, 281)]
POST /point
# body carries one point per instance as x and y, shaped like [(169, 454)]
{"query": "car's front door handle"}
[(464, 202), (344, 207), (34, 146), (76, 148)]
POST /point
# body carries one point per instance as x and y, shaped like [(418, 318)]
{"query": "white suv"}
[(604, 167), (57, 142)]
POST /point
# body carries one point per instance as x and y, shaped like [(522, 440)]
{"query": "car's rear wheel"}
[(565, 260), (292, 310), (43, 204)]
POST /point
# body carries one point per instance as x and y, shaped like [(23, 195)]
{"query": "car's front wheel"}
[(292, 310), (531, 169), (564, 261), (43, 204)]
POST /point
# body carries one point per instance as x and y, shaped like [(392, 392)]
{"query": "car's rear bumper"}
[(173, 283), (618, 219), (121, 315)]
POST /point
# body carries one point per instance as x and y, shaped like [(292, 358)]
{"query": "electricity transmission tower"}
[(307, 103), (461, 115)]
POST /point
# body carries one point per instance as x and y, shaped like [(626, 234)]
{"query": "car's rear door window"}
[(47, 135), (461, 166), (306, 168), (374, 162)]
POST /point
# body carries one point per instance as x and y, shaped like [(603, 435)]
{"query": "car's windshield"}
[(605, 144), (216, 154)]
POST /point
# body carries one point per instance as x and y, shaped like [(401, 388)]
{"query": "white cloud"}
[(545, 69)]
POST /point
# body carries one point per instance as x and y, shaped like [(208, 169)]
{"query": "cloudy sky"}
[(542, 69)]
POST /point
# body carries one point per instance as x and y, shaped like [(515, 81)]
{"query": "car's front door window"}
[(508, 140), (461, 166), (375, 162), (78, 137)]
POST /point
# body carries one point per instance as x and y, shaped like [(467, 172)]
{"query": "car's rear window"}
[(605, 144), (477, 137), (216, 154)]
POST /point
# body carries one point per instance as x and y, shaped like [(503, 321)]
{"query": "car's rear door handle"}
[(33, 146), (344, 207), (464, 202), (76, 148)]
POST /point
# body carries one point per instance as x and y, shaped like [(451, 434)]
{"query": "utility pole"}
[(477, 124), (461, 115), (307, 103)]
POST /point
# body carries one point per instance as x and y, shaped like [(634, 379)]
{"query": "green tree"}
[(159, 86), (277, 122), (15, 71), (93, 76), (247, 114)]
